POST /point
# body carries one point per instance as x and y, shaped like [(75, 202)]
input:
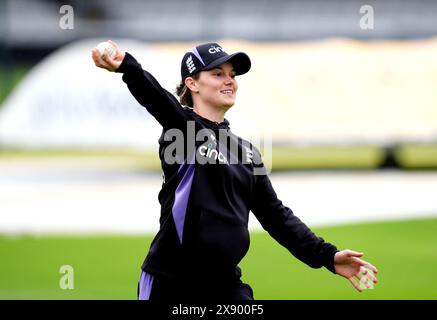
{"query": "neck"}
[(212, 114)]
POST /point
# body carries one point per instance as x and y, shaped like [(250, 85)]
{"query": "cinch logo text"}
[(212, 154), (213, 50)]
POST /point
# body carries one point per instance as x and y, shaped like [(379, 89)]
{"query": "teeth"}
[(227, 91)]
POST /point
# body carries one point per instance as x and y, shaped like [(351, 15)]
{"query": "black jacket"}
[(209, 188)]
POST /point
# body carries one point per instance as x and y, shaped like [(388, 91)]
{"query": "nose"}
[(229, 80)]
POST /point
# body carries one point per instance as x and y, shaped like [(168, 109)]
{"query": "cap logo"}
[(190, 64), (213, 50)]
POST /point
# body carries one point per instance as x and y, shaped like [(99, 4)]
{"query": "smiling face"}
[(215, 88)]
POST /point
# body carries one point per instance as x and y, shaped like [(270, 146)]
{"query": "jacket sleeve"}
[(160, 103), (287, 229)]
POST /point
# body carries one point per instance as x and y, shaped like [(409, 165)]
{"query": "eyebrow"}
[(220, 68)]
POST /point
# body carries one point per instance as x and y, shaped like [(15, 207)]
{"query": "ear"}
[(191, 84)]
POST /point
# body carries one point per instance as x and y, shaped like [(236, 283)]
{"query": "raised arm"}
[(144, 87)]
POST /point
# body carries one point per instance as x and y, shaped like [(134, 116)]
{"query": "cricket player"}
[(212, 180)]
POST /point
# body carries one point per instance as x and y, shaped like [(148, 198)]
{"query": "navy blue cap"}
[(210, 55)]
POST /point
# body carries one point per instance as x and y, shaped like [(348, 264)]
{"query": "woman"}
[(210, 187)]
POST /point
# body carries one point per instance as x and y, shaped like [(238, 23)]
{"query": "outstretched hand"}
[(348, 264), (105, 61)]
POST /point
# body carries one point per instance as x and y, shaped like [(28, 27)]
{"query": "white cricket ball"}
[(112, 51)]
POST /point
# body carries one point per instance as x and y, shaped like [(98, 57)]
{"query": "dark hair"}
[(184, 93)]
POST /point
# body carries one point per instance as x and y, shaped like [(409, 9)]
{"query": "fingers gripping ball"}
[(111, 50)]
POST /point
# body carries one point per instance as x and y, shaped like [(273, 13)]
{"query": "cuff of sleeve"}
[(329, 264), (129, 64)]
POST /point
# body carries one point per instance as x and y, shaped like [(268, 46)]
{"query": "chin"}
[(228, 104)]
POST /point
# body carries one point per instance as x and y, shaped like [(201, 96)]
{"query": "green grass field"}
[(107, 267)]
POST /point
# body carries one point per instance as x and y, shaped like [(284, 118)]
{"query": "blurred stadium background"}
[(351, 114)]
